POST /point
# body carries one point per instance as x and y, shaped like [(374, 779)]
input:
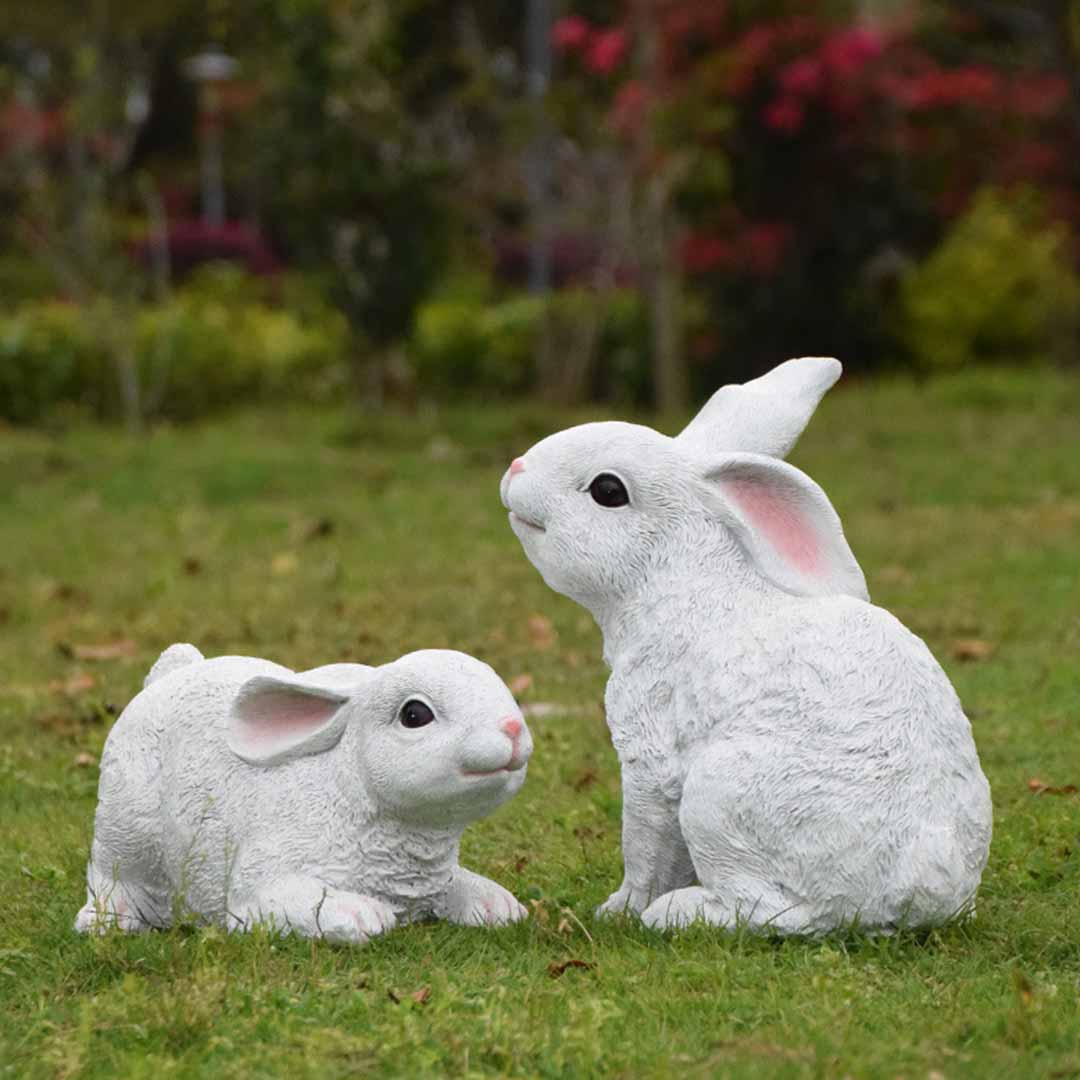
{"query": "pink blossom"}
[(606, 51), (766, 242), (570, 33), (1038, 94), (848, 51), (628, 109), (802, 76), (706, 251), (751, 52), (785, 114)]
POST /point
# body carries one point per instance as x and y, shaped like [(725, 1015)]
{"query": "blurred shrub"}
[(465, 342), (46, 354), (212, 345), (999, 287), (23, 279)]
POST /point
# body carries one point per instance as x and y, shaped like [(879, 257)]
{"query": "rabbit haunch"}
[(237, 791), (792, 756)]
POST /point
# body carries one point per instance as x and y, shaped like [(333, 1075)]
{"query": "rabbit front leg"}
[(472, 900), (655, 857), (311, 908)]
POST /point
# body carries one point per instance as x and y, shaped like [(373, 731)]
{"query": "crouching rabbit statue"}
[(329, 802), (792, 757)]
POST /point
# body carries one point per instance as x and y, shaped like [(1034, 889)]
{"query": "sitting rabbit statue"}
[(329, 802), (792, 757)]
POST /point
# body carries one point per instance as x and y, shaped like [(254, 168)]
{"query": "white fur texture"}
[(793, 758), (236, 791)]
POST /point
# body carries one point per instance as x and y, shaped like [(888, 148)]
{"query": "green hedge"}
[(200, 351)]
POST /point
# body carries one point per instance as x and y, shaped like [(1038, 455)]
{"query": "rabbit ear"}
[(786, 525), (765, 416), (275, 720)]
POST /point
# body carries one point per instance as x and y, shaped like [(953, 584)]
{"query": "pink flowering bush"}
[(850, 148)]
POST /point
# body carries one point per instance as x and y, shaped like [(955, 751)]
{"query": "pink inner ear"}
[(780, 521), (273, 717)]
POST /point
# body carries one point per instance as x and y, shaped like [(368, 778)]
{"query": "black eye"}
[(608, 490), (416, 714)]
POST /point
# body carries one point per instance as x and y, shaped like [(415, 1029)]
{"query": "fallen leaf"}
[(64, 592), (84, 759), (541, 632), (284, 563), (107, 650), (1022, 984), (539, 709), (971, 649), (895, 575), (422, 995), (78, 683), (585, 778), (520, 683), (1039, 787), (442, 449), (192, 566), (318, 529), (556, 971), (520, 863)]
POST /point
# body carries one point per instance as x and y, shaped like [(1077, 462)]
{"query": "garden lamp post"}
[(209, 69)]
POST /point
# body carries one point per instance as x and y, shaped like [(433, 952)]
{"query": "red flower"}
[(706, 251), (765, 243), (751, 51), (629, 107), (606, 51), (848, 51), (570, 33), (785, 114), (1038, 94), (802, 76)]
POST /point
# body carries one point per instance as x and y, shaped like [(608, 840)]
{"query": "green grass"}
[(293, 536)]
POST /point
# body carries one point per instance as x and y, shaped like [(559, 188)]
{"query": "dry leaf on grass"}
[(895, 574), (541, 632), (78, 683), (537, 710), (316, 530), (119, 649), (284, 563), (421, 996), (557, 970), (84, 760), (520, 683), (1039, 787), (971, 649)]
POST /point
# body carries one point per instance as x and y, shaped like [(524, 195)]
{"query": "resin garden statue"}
[(328, 802), (792, 757)]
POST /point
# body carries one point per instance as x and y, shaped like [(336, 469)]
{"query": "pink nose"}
[(512, 726), (517, 466)]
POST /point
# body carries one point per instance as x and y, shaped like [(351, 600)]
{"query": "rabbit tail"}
[(174, 657), (936, 879)]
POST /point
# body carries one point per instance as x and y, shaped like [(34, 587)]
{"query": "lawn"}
[(305, 537)]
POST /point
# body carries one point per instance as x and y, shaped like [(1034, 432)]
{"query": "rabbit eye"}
[(608, 490), (416, 714)]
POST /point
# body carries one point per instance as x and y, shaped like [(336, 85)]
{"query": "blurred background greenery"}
[(209, 202)]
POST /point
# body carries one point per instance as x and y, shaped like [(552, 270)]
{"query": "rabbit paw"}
[(310, 908), (473, 900), (626, 900)]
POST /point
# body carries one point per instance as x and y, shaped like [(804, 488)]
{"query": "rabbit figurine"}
[(329, 802), (792, 757)]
